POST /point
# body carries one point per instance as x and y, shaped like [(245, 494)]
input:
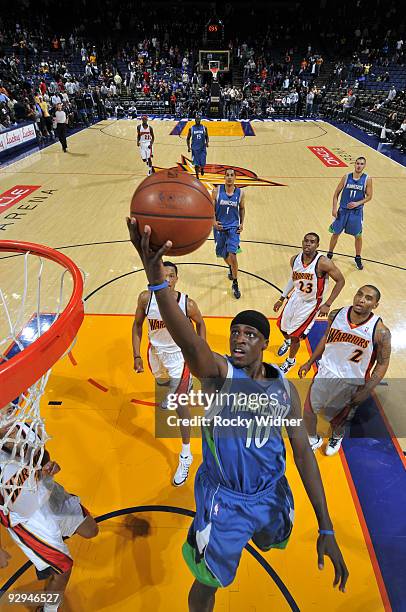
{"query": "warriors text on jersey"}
[(158, 335), (308, 286), (349, 352), (354, 190), (228, 207)]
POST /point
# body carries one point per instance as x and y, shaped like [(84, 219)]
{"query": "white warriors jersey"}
[(350, 349), (158, 335), (307, 285), (145, 134), (32, 495)]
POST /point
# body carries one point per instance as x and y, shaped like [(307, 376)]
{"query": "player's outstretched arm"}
[(328, 267), (287, 289), (197, 353), (137, 330), (337, 192), (310, 475)]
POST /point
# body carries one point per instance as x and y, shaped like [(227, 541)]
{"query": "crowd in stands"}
[(96, 74)]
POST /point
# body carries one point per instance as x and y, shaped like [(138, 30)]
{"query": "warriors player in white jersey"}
[(145, 140), (165, 358), (41, 514), (355, 341), (309, 278)]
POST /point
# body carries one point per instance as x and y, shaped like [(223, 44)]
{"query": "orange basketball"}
[(177, 207)]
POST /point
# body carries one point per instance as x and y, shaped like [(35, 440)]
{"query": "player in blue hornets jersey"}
[(198, 139), (241, 491), (356, 190), (229, 206)]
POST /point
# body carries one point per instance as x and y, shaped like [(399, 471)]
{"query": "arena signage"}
[(327, 157), (14, 195), (17, 136)]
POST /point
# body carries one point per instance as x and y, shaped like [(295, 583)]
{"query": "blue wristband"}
[(163, 285), (326, 532)]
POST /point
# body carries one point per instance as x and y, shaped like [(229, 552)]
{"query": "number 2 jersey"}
[(350, 349), (242, 449)]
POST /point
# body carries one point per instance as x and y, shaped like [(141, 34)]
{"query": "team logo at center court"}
[(214, 175)]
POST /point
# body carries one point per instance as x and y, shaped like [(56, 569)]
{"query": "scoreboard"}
[(214, 31)]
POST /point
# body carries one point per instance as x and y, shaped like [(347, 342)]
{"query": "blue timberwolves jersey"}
[(242, 449), (228, 207), (354, 190), (198, 137)]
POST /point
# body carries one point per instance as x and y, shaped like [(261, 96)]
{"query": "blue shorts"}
[(226, 520), (227, 241), (199, 157), (348, 221)]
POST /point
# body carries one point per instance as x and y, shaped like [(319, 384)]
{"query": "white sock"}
[(185, 452), (291, 359), (289, 342), (313, 439)]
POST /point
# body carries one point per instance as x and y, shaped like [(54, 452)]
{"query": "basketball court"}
[(101, 414)]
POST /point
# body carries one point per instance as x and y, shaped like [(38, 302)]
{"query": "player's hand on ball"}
[(303, 370), (277, 305), (327, 545), (138, 365), (152, 260), (4, 558)]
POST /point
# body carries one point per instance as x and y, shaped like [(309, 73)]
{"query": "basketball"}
[(177, 207)]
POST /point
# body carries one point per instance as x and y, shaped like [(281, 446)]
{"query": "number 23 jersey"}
[(307, 285)]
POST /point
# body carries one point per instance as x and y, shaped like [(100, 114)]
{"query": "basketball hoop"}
[(35, 331), (214, 67)]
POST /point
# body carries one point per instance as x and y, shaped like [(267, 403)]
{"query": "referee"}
[(61, 125)]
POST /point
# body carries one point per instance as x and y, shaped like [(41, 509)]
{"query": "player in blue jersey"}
[(198, 140), (229, 206), (241, 491), (356, 190)]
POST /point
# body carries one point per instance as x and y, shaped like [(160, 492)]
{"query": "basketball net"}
[(214, 72), (30, 341)]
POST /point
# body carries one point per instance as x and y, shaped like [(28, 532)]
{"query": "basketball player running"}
[(229, 206), (198, 140), (39, 520), (356, 190), (145, 140), (309, 278), (165, 357), (241, 492), (354, 338)]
